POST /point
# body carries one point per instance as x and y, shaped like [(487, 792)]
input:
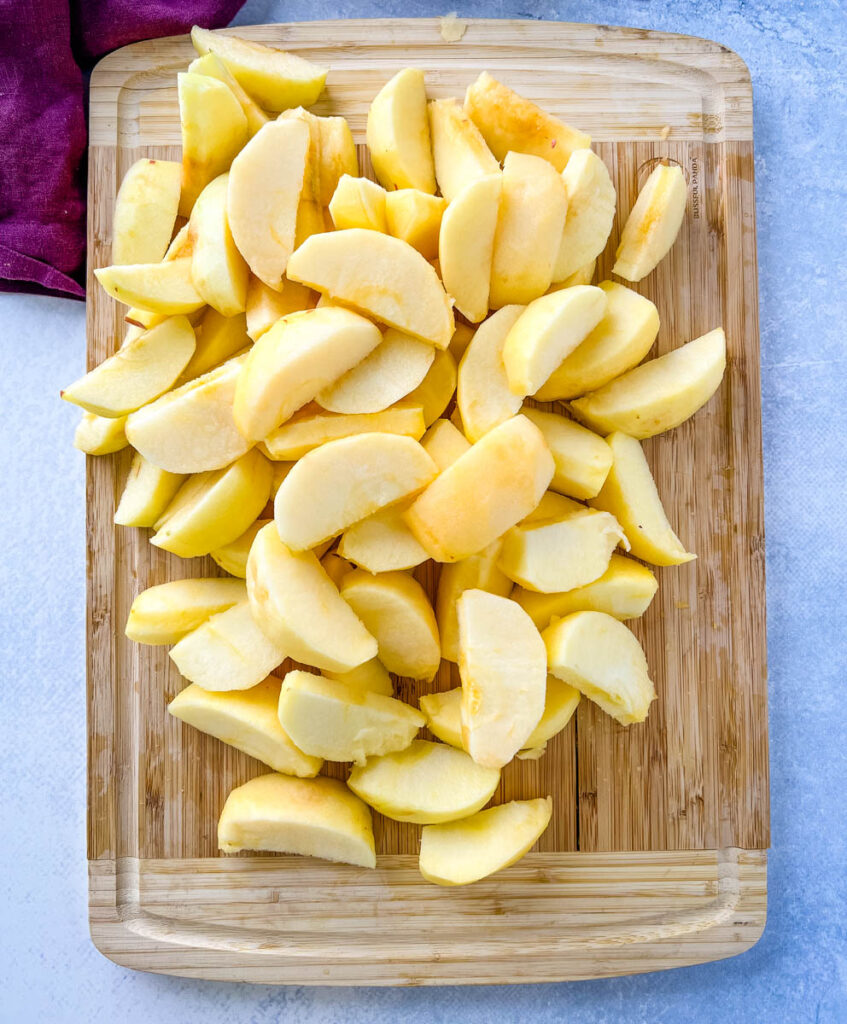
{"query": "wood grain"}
[(667, 802)]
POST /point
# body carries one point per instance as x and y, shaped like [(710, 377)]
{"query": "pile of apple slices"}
[(295, 341)]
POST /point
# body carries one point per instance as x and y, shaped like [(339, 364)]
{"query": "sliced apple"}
[(591, 213), (380, 275), (398, 133), (459, 151), (145, 211), (371, 676), (582, 458), (444, 443), (212, 66), (597, 655), (533, 207), (382, 542), (266, 305), (435, 391), (583, 275), (218, 270), (336, 568), (395, 609), (620, 341), (477, 572), (298, 606), (164, 614), (358, 203), (497, 482), (415, 217), (553, 506), (503, 668), (624, 591), (100, 435), (232, 557), (313, 817), (329, 719), (147, 493), (466, 245), (218, 338), (483, 396), (312, 426), (164, 288), (337, 156), (653, 223), (661, 393)]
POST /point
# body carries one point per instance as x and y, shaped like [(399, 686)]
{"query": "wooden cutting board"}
[(656, 854)]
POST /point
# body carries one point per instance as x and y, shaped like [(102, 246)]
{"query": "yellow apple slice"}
[(164, 614), (312, 426), (212, 66), (232, 557), (462, 337), (425, 784), (337, 156), (461, 852), (336, 568), (379, 275), (581, 457), (100, 435), (343, 481), (265, 183), (358, 203), (443, 713), (591, 213), (164, 288), (653, 223), (328, 719), (533, 206), (597, 655), (145, 211), (630, 494), (504, 676), (466, 245), (382, 542), (435, 391), (444, 443), (137, 373), (395, 609), (415, 217), (548, 330), (313, 817), (483, 396), (266, 305), (298, 606), (553, 506), (398, 133), (459, 151), (583, 275), (477, 572), (661, 393), (180, 247), (218, 270), (497, 482), (214, 128), (147, 493), (621, 340), (227, 652), (394, 368), (248, 721), (218, 338), (372, 676), (510, 123)]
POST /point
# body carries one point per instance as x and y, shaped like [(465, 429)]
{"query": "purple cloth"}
[(45, 48)]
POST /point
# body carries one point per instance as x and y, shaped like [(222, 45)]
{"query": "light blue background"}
[(49, 972)]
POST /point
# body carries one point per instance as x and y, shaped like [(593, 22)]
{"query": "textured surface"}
[(797, 971)]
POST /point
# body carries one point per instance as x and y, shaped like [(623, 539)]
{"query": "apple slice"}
[(382, 542), (477, 572), (313, 817), (328, 719), (398, 133), (218, 338), (459, 151), (597, 655), (549, 329), (358, 203), (497, 482), (424, 784), (312, 427), (379, 275), (263, 194), (372, 676), (164, 288), (100, 435), (621, 340), (466, 245), (659, 394), (653, 223), (460, 852), (591, 213), (504, 676), (338, 156), (435, 391), (212, 66), (533, 206), (395, 609), (343, 481), (583, 275), (336, 568), (266, 305), (218, 270), (145, 211), (581, 457), (232, 557), (415, 217), (164, 614), (298, 606), (630, 494), (483, 395), (444, 443), (147, 493)]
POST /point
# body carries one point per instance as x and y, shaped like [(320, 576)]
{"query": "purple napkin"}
[(45, 48)]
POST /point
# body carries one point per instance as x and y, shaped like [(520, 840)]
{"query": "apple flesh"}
[(435, 391), (444, 443), (415, 217), (232, 557), (382, 542), (358, 203), (466, 244), (312, 426), (211, 65), (591, 213), (459, 151), (653, 223), (164, 288), (165, 613), (145, 211), (483, 396), (372, 676), (218, 270), (398, 133), (582, 458), (266, 305), (100, 435), (147, 493), (476, 572)]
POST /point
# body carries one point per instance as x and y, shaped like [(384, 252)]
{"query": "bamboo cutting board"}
[(655, 857)]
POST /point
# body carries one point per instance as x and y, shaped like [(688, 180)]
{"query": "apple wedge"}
[(265, 182), (504, 676), (145, 211), (313, 817), (597, 655), (548, 330), (477, 572), (336, 568), (653, 223), (583, 275), (621, 340), (497, 482), (591, 213), (358, 203), (232, 557), (483, 396), (582, 458), (398, 133), (459, 151), (312, 426), (427, 783), (218, 338), (137, 373), (248, 721), (661, 393), (435, 391), (395, 609), (533, 207), (444, 443), (338, 156), (212, 66), (461, 852), (379, 275), (415, 217), (630, 495), (382, 542), (164, 614), (218, 270), (329, 719), (466, 245), (164, 288), (298, 606), (266, 305), (624, 591), (275, 79), (147, 493), (100, 435), (372, 676)]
